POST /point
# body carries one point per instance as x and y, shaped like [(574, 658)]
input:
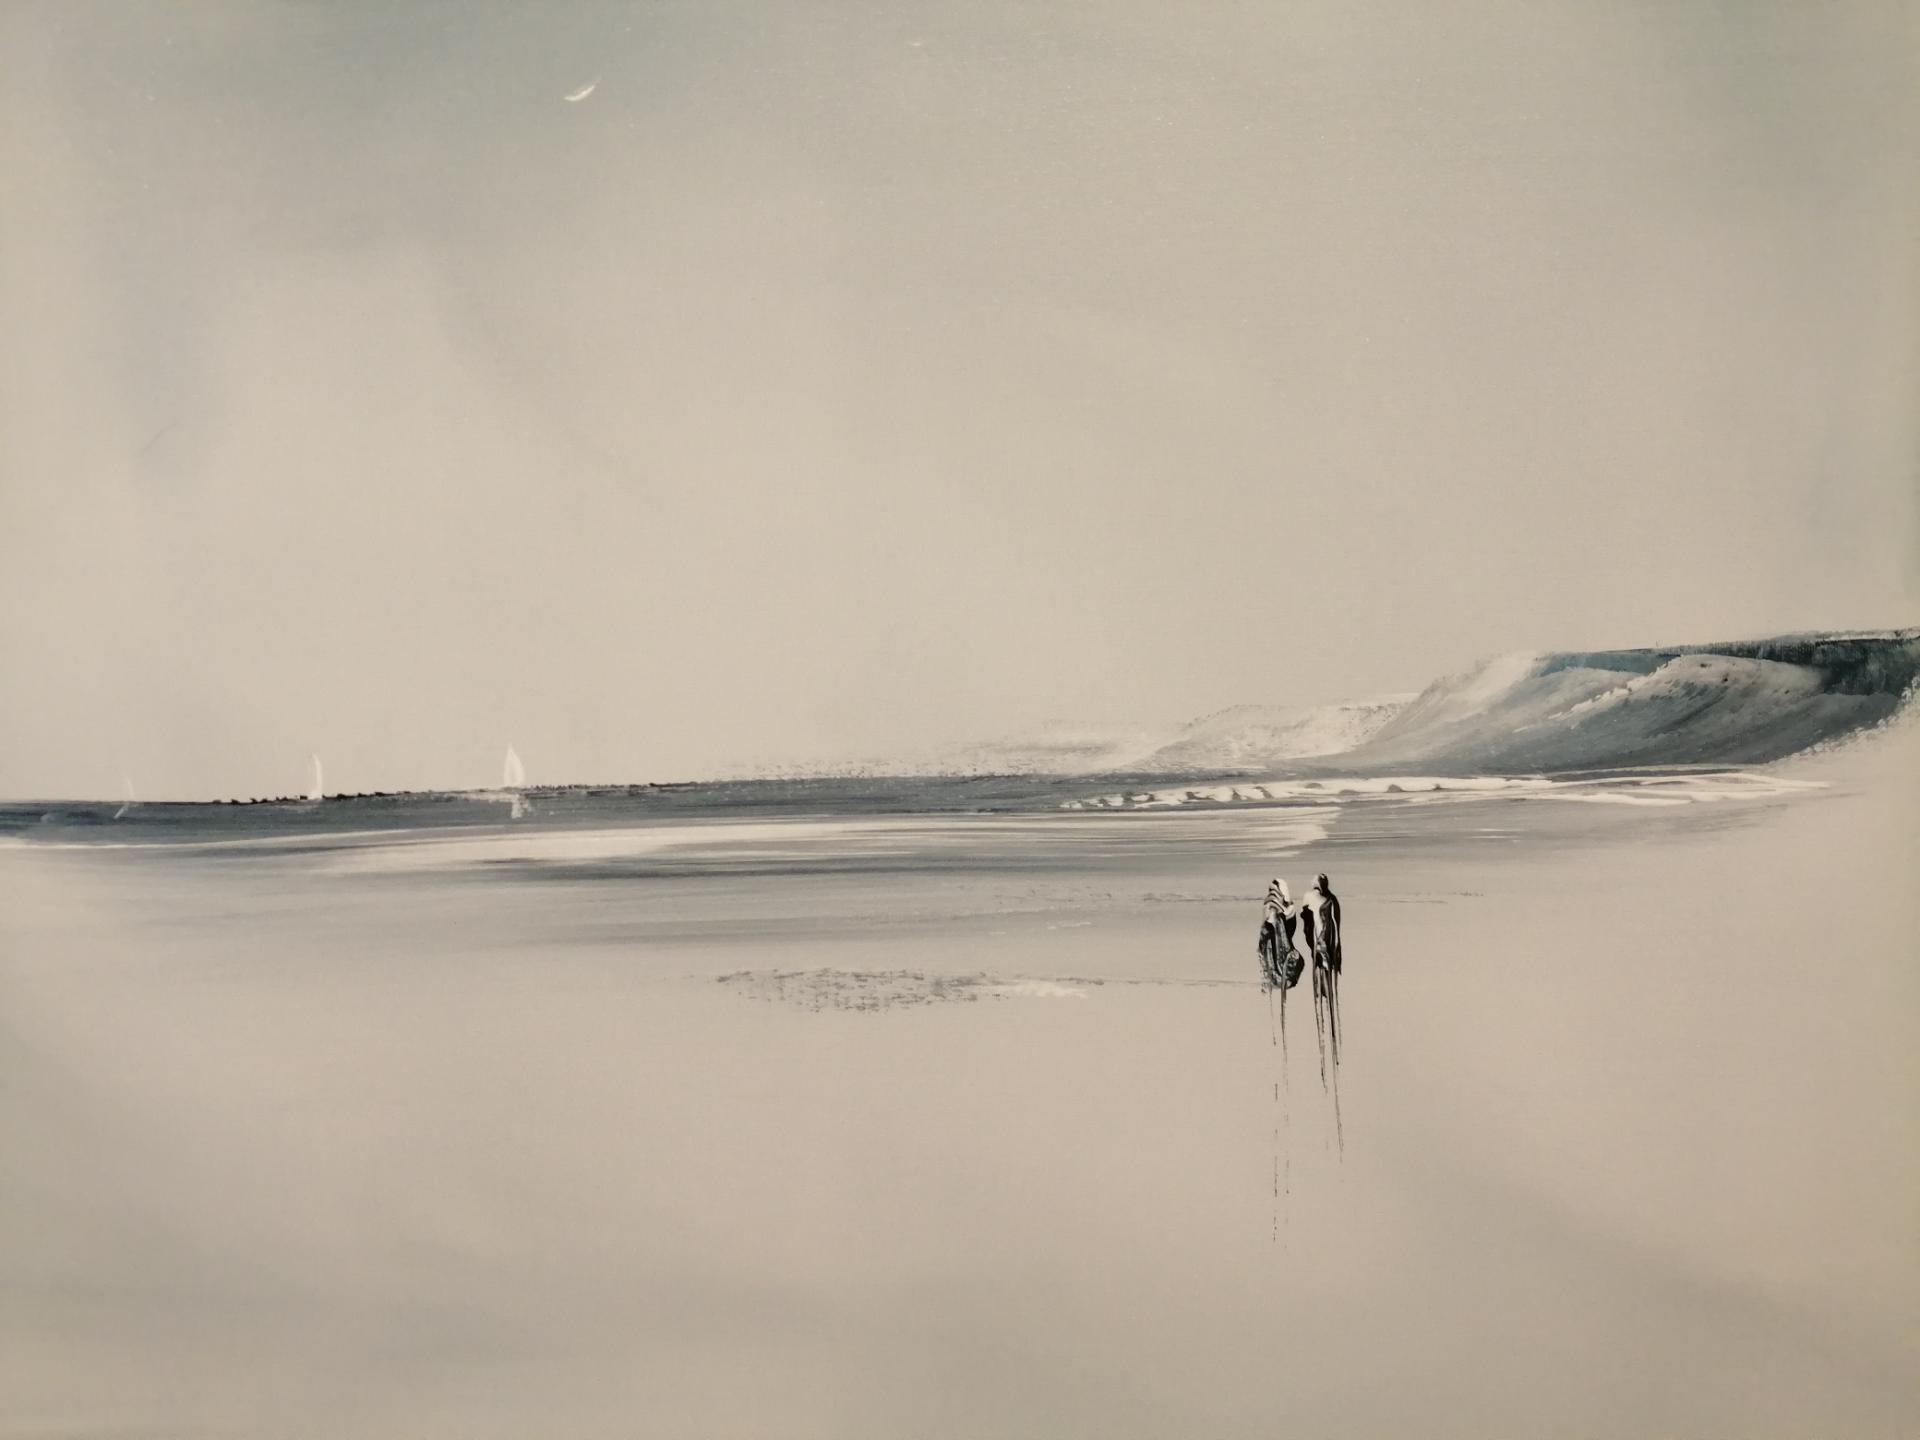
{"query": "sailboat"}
[(131, 800), (513, 776), (318, 789)]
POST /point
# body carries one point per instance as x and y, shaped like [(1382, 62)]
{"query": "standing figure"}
[(1270, 978), (1304, 933), (1326, 908), (1320, 914), (1279, 964)]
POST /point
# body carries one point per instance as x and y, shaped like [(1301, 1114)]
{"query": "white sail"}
[(513, 774), (131, 800), (318, 790)]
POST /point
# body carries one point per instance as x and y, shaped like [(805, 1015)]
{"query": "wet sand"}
[(358, 1144)]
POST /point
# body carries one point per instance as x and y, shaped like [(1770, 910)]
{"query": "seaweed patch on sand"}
[(891, 989)]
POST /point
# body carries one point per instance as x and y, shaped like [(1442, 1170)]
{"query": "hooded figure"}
[(1324, 906), (1279, 901), (1280, 961)]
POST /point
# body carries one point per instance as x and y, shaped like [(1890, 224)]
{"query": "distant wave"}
[(1739, 704), (1630, 789), (1531, 712)]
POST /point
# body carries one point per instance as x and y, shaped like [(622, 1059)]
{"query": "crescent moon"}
[(585, 90)]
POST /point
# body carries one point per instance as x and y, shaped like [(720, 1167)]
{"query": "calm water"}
[(465, 1134)]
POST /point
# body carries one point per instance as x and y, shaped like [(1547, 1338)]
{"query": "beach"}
[(975, 1125)]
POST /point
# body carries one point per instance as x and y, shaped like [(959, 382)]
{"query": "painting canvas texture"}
[(995, 719)]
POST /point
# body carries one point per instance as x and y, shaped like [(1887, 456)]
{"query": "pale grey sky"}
[(842, 378)]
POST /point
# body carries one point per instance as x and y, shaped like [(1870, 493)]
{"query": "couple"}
[(1292, 934)]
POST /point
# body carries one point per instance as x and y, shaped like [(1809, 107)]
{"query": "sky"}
[(843, 379)]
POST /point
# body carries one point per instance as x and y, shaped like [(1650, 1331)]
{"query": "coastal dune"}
[(1745, 703)]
